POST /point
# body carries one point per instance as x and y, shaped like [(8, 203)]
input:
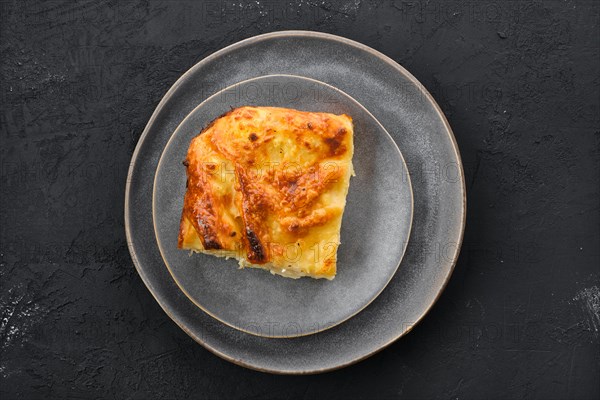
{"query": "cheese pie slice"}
[(268, 187)]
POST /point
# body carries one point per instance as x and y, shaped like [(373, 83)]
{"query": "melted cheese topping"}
[(268, 186)]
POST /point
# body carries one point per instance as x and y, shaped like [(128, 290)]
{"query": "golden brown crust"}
[(264, 181)]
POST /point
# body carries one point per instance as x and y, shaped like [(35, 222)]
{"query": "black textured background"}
[(519, 82)]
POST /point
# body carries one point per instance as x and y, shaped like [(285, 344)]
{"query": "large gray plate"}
[(419, 128), (375, 228)]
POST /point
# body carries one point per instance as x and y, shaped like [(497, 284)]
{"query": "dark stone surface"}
[(519, 82)]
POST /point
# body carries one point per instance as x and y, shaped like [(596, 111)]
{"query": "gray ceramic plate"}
[(375, 228), (416, 124)]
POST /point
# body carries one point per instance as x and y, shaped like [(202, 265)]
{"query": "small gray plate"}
[(375, 228)]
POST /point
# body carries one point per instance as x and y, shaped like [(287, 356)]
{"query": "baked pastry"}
[(268, 187)]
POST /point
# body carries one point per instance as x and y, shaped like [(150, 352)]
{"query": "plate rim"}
[(403, 244), (319, 35)]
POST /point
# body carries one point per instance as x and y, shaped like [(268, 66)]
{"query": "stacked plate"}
[(401, 230)]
